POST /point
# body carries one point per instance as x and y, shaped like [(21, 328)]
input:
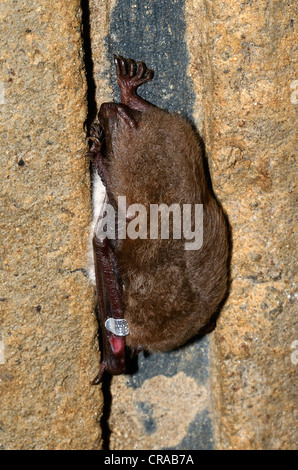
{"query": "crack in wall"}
[(91, 115), (89, 68)]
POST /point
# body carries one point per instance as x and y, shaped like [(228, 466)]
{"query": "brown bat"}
[(154, 292)]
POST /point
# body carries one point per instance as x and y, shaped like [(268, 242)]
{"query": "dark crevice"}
[(107, 402), (106, 396), (89, 69), (91, 115)]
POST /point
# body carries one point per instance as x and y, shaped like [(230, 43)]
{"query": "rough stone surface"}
[(165, 404), (242, 64), (47, 329)]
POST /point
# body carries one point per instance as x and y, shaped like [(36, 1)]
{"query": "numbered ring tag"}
[(118, 326)]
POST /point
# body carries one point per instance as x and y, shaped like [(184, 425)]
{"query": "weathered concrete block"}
[(242, 63), (47, 329)]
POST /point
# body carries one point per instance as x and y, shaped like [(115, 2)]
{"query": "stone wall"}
[(243, 63), (229, 67), (48, 330)]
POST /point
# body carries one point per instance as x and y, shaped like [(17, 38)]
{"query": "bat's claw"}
[(98, 378), (131, 74), (96, 132), (96, 136)]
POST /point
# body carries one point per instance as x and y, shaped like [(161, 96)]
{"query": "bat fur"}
[(169, 293)]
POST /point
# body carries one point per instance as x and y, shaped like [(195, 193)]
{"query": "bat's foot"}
[(98, 378), (96, 136), (95, 154), (131, 74)]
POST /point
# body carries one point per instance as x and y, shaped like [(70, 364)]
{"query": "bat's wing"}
[(109, 292)]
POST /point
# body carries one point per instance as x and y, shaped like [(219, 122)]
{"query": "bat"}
[(160, 238)]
